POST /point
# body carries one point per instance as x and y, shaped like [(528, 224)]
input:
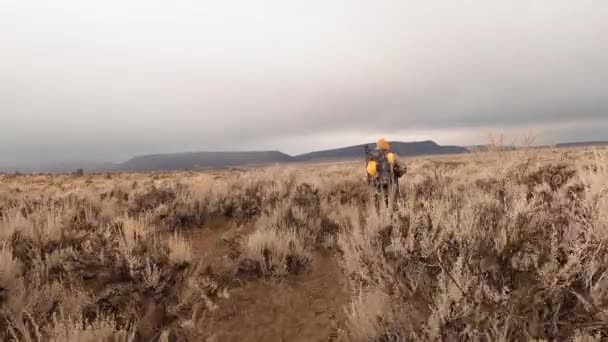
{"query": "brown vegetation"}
[(499, 245)]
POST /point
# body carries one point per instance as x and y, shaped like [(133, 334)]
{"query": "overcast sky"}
[(108, 79)]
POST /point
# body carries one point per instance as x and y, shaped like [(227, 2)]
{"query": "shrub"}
[(275, 252)]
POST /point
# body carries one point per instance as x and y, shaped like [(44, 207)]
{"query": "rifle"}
[(367, 152)]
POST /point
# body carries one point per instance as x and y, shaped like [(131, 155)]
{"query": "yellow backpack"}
[(391, 158), (372, 168)]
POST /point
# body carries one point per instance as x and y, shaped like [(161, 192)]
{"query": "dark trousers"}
[(385, 192)]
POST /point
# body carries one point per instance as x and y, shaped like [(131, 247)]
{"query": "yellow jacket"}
[(372, 166)]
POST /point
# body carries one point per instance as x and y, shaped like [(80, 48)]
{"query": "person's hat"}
[(382, 144)]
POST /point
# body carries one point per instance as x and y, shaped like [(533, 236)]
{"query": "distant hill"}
[(225, 159), (206, 160), (483, 148), (404, 149), (583, 144), (193, 160), (61, 167), (486, 148)]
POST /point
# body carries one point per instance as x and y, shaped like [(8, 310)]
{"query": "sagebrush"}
[(499, 245)]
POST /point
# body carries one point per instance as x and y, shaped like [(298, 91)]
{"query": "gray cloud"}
[(109, 80)]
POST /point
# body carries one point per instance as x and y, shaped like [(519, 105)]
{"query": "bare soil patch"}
[(303, 307)]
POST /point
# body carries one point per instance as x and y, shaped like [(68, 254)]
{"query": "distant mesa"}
[(207, 160), (201, 160), (405, 149), (220, 160)]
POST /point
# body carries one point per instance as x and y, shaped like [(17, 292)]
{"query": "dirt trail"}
[(212, 243), (307, 307), (304, 307)]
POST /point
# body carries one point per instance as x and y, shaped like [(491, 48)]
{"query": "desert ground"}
[(492, 246)]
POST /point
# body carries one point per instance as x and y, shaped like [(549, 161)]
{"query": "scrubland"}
[(493, 246)]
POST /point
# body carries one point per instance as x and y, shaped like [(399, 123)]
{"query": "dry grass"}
[(497, 245), (275, 251), (179, 249), (102, 329), (513, 256)]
